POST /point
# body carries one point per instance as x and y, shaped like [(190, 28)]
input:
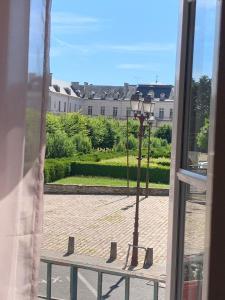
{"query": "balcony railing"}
[(56, 260)]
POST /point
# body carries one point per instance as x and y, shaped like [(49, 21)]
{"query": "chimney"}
[(126, 88), (75, 84)]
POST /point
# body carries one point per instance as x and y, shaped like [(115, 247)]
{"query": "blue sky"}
[(112, 42)]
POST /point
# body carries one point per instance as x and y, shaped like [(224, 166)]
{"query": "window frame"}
[(115, 109), (161, 113), (90, 110), (102, 111), (214, 270)]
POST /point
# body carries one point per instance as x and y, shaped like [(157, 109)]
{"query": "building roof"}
[(158, 89), (62, 87), (110, 92)]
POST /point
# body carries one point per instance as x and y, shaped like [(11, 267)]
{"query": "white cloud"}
[(131, 66), (122, 48), (139, 47), (68, 22), (136, 66)]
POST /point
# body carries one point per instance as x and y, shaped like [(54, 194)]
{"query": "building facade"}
[(109, 101)]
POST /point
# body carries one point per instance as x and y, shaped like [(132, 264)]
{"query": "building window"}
[(59, 106), (161, 113), (171, 113), (128, 111), (64, 106), (115, 111), (75, 107), (102, 110), (90, 110)]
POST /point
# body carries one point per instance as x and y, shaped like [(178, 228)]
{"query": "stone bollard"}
[(148, 258), (71, 245), (113, 251)]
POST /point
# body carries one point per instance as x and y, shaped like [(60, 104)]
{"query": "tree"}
[(82, 143), (202, 137), (53, 124), (59, 145), (74, 123), (200, 105), (164, 132)]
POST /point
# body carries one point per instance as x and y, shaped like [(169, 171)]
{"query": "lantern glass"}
[(147, 106), (152, 108), (134, 105), (140, 105)]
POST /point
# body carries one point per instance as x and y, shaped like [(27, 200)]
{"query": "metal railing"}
[(74, 267)]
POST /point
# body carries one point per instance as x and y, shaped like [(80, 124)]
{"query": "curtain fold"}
[(24, 78)]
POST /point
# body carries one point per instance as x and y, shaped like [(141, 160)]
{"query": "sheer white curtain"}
[(24, 37)]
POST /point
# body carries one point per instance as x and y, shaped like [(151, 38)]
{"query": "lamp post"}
[(150, 122), (142, 109)]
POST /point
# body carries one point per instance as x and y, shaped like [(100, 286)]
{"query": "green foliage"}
[(89, 134), (56, 169), (74, 123), (202, 137), (53, 124), (68, 167), (59, 145), (158, 147), (122, 145), (164, 132), (200, 94), (82, 143)]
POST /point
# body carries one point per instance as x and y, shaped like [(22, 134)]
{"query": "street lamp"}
[(150, 123), (143, 110)]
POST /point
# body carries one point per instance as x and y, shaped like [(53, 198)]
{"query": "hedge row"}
[(57, 169)]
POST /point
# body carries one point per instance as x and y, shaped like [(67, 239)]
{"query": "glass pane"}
[(194, 238), (196, 154)]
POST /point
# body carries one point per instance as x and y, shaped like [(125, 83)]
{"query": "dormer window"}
[(162, 96), (68, 91), (78, 92), (57, 88), (104, 95), (91, 95), (151, 94), (116, 96)]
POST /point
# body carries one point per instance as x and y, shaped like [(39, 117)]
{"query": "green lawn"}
[(88, 180), (122, 160)]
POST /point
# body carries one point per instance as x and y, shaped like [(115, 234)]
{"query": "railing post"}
[(156, 290), (127, 288), (99, 296), (49, 282), (73, 283)]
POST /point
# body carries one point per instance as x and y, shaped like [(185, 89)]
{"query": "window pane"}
[(194, 238), (196, 153)]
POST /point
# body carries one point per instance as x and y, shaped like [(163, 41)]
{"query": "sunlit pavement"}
[(95, 221)]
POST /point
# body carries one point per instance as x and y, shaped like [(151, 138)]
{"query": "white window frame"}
[(102, 111)]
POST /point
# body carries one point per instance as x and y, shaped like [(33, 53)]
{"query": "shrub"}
[(56, 169), (59, 145), (82, 143), (164, 132), (158, 173)]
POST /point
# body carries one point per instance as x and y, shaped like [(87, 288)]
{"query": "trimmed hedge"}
[(158, 174), (57, 169)]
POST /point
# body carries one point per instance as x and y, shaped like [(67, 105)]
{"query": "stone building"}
[(110, 101)]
